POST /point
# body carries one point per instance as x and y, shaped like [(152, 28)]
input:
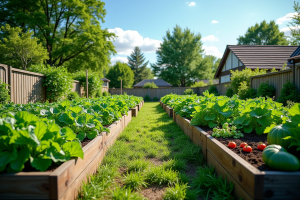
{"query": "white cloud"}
[(191, 3), (210, 38), (287, 17), (214, 21), (127, 40), (287, 31), (121, 59), (211, 50), (217, 31)]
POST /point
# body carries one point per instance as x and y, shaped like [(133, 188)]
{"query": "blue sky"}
[(143, 23)]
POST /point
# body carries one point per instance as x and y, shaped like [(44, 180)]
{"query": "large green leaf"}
[(54, 110), (210, 116), (55, 155), (40, 129), (92, 134), (294, 110), (76, 109), (247, 129), (18, 163), (6, 157), (68, 133), (40, 163), (211, 124), (73, 149), (81, 135), (65, 118)]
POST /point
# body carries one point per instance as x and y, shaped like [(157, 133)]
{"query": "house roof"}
[(295, 55), (105, 80), (261, 56), (158, 82)]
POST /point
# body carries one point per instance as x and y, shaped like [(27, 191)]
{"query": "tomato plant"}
[(243, 144), (261, 146), (232, 145), (247, 148)]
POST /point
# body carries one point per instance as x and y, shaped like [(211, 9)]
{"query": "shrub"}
[(265, 90), (150, 85), (245, 92), (188, 92), (73, 95), (4, 93), (213, 90), (289, 93), (57, 80), (147, 98), (98, 94), (94, 82), (199, 84), (229, 92), (155, 99), (238, 77), (105, 94)]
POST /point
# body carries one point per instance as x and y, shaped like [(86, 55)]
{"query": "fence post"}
[(9, 81), (87, 85)]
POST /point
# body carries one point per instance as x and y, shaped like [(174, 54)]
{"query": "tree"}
[(294, 26), (21, 49), (179, 57), (120, 71), (150, 85), (69, 29), (136, 61), (263, 34), (208, 67)]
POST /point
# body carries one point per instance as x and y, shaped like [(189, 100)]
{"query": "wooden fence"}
[(27, 86), (275, 79), (160, 92)]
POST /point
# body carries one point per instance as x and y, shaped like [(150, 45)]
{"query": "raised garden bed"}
[(249, 182), (134, 111), (169, 110), (63, 182)]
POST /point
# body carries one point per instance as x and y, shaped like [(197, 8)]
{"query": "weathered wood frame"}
[(169, 110), (249, 182), (64, 182), (134, 111)]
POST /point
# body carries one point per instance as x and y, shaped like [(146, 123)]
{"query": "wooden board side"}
[(199, 138)]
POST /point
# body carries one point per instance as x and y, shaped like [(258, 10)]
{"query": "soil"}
[(154, 192), (84, 142), (253, 140)]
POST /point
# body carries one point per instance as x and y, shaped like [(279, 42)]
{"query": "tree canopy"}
[(20, 49), (294, 26), (120, 71), (179, 57), (263, 34), (208, 67), (136, 61), (69, 29)]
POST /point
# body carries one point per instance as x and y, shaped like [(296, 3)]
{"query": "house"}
[(294, 60), (105, 85), (159, 82), (238, 57)]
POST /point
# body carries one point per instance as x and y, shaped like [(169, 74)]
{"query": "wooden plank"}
[(134, 111), (187, 128), (199, 138), (242, 171), (239, 191), (174, 116)]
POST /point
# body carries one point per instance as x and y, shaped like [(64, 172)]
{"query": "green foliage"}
[(70, 30), (120, 71), (178, 192), (289, 92), (94, 82), (125, 194), (136, 61), (25, 138), (58, 81), (245, 92), (4, 93), (229, 92), (265, 90), (73, 96), (199, 84), (161, 176), (155, 99), (188, 92), (208, 67), (147, 98), (213, 90), (105, 94), (150, 85), (238, 77), (19, 49), (295, 32), (273, 70), (263, 34), (134, 181), (179, 57), (138, 165)]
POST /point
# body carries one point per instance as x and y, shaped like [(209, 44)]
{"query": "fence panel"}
[(276, 79)]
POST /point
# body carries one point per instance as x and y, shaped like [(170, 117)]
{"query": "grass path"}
[(154, 159)]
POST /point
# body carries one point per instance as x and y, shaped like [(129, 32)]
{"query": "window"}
[(104, 84), (225, 79)]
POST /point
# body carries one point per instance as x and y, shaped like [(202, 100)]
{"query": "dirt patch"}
[(85, 141), (122, 170), (156, 161), (191, 170), (253, 140), (154, 192)]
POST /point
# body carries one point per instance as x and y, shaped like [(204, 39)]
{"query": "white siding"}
[(235, 61), (228, 61)]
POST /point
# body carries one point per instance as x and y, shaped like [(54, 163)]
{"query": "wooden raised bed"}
[(249, 182), (134, 111), (169, 111), (63, 182)]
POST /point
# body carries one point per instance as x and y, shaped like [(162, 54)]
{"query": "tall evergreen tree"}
[(294, 26), (136, 61)]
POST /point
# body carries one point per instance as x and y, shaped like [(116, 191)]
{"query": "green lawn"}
[(154, 159)]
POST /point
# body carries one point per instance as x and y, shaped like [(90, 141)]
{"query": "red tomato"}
[(243, 144), (261, 146), (231, 145), (247, 148)]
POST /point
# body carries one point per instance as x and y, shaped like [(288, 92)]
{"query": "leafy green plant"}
[(125, 194), (289, 92), (178, 192), (25, 138), (245, 92), (227, 131), (105, 94), (147, 98), (229, 92), (155, 99), (199, 84), (94, 82), (4, 93), (265, 90), (73, 96), (159, 175), (135, 181), (138, 165), (213, 90), (150, 85), (188, 92)]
